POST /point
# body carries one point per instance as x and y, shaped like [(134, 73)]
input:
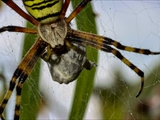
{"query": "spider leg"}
[(64, 8), (77, 10), (118, 45), (21, 67), (23, 78), (9, 92), (100, 40), (16, 74), (128, 63), (100, 43), (18, 29), (109, 49), (18, 10)]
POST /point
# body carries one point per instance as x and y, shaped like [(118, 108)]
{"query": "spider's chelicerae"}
[(62, 47)]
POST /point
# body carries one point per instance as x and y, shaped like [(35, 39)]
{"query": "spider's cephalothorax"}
[(54, 34), (59, 45)]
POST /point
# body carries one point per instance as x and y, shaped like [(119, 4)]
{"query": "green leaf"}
[(30, 92), (86, 22)]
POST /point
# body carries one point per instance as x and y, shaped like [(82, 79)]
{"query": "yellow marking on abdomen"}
[(44, 11)]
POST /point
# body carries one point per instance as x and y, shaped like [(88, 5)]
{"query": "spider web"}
[(133, 23)]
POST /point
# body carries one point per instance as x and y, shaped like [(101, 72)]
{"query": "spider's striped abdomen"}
[(44, 11)]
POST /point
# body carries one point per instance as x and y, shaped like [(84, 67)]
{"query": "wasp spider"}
[(62, 47)]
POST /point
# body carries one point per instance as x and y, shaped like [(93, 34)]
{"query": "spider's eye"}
[(44, 11)]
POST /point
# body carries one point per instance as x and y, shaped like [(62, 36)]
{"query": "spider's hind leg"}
[(10, 90), (23, 77), (24, 67)]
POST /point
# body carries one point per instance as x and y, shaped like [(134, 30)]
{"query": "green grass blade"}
[(30, 93), (85, 22)]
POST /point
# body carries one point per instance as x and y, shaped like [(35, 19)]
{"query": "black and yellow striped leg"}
[(18, 29), (18, 10), (106, 48), (140, 73), (15, 76), (9, 92), (23, 78), (77, 10), (101, 41), (18, 96), (22, 66), (118, 45), (109, 49), (128, 63)]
